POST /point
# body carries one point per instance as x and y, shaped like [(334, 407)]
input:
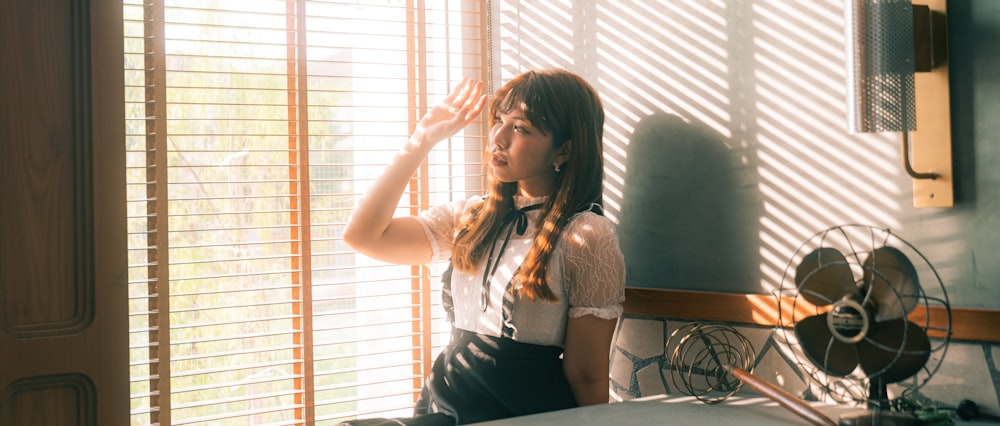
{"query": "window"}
[(253, 127)]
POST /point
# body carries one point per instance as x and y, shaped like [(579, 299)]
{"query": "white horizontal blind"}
[(253, 128)]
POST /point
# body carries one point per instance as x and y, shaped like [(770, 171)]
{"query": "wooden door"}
[(63, 260)]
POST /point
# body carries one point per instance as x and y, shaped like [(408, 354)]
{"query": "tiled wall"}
[(639, 367)]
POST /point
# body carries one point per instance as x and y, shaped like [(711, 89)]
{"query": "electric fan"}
[(854, 306)]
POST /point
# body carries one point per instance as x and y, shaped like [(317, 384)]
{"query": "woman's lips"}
[(498, 161)]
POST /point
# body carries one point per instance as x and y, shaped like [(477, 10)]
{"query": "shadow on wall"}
[(680, 225)]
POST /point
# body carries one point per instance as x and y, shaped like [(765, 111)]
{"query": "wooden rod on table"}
[(783, 398)]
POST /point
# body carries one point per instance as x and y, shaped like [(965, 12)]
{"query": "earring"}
[(557, 168)]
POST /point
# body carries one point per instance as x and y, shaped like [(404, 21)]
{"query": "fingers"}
[(465, 97), (459, 88), (472, 99), (462, 106), (477, 108), (460, 94), (473, 105), (471, 95)]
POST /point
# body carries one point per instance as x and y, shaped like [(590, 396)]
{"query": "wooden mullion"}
[(425, 318), (419, 198), (158, 251), (298, 169)]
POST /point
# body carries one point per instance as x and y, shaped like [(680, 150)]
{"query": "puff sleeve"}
[(594, 267), (440, 223)]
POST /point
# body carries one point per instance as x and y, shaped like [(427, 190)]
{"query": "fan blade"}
[(892, 282), (824, 277), (825, 351), (914, 353)]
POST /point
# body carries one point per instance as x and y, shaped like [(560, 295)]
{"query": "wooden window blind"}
[(252, 129)]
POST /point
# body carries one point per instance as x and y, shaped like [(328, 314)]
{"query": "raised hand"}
[(372, 228), (450, 116)]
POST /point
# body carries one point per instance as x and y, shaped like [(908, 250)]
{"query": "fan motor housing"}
[(848, 321)]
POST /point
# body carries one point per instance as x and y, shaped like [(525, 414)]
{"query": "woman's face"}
[(522, 153)]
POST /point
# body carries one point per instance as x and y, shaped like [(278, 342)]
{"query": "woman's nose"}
[(498, 136)]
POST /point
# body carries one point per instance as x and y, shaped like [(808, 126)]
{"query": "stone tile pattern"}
[(639, 367)]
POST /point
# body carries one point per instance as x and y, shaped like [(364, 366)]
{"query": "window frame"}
[(155, 248)]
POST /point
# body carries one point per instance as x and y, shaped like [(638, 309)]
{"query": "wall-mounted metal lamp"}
[(898, 82)]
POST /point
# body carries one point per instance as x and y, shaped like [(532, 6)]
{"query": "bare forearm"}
[(586, 358), (590, 391), (373, 214)]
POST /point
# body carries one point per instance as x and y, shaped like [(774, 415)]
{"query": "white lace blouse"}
[(586, 272)]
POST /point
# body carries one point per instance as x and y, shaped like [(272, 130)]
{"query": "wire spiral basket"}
[(702, 355)]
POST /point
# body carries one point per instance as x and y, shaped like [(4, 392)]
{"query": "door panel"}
[(46, 175), (63, 265)]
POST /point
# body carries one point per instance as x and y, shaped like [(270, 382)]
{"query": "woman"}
[(538, 276)]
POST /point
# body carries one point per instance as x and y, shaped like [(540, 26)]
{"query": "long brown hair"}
[(563, 105)]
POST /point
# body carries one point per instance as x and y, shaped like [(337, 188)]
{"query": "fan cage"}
[(932, 312)]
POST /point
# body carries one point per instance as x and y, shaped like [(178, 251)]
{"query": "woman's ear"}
[(563, 155)]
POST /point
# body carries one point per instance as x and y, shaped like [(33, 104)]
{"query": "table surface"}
[(680, 410)]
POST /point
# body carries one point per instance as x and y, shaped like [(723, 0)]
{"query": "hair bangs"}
[(531, 93)]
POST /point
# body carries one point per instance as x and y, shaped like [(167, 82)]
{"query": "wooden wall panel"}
[(966, 324)]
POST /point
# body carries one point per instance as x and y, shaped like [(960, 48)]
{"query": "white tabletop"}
[(679, 410)]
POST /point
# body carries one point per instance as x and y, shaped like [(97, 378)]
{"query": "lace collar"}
[(521, 202)]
